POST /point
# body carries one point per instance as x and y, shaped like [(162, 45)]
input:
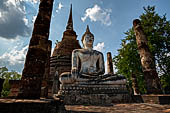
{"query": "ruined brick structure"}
[(153, 85), (14, 88), (37, 58)]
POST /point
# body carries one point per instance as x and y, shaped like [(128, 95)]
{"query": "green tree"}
[(5, 74), (6, 88), (157, 30), (3, 71)]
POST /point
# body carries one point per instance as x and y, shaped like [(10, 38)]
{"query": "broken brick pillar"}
[(152, 82), (37, 55), (109, 63), (45, 81)]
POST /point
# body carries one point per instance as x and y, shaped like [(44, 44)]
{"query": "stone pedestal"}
[(96, 94)]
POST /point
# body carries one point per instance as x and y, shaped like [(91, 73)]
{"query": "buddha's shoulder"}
[(77, 50), (97, 52), (86, 51)]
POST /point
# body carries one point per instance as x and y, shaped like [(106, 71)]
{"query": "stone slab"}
[(119, 108), (153, 99), (156, 99)]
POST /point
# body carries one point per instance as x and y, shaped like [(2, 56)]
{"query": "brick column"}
[(152, 81), (37, 55), (109, 63)]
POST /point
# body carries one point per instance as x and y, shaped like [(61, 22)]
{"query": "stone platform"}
[(96, 94)]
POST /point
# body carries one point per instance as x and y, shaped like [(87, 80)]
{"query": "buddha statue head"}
[(87, 38)]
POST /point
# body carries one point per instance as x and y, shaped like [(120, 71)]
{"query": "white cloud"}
[(96, 13), (60, 6), (15, 58), (25, 20), (31, 1), (57, 11), (13, 2), (35, 1), (13, 22), (99, 47), (33, 19)]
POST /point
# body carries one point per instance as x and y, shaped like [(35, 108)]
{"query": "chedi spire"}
[(70, 21), (69, 33)]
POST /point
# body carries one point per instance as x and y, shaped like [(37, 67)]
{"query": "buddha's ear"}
[(82, 42)]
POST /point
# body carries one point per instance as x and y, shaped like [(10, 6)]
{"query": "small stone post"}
[(135, 85), (109, 63), (152, 81), (37, 55)]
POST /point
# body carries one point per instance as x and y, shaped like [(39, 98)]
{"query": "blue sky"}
[(108, 20)]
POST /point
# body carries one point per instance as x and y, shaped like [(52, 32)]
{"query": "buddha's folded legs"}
[(68, 78)]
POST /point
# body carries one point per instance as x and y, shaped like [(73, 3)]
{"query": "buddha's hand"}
[(91, 73), (74, 73)]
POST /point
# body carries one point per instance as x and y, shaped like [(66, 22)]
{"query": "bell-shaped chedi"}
[(152, 81), (61, 57), (37, 58)]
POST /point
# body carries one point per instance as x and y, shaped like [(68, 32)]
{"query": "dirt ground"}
[(120, 108)]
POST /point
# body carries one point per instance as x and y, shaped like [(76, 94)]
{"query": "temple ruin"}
[(74, 74)]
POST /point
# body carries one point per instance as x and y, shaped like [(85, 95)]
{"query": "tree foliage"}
[(157, 30), (5, 74)]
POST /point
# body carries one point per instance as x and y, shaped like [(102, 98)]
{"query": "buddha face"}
[(88, 40)]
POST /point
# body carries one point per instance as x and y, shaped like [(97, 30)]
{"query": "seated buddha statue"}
[(87, 64)]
